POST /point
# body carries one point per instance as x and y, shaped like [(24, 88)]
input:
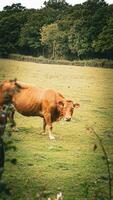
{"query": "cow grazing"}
[(5, 102), (46, 103)]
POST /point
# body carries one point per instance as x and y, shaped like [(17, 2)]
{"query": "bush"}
[(85, 63)]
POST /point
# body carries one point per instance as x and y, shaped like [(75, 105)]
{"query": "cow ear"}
[(76, 105), (60, 105), (15, 80), (18, 85)]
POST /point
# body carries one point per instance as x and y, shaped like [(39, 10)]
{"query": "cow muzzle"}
[(67, 119)]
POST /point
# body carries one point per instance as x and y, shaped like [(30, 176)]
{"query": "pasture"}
[(37, 168)]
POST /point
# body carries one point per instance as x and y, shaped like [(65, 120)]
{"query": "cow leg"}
[(44, 127), (12, 121), (51, 136), (49, 126)]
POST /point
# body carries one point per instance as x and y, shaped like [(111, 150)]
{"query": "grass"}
[(37, 168)]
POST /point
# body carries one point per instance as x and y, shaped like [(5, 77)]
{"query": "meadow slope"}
[(37, 168)]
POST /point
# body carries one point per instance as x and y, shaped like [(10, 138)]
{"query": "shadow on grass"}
[(9, 145), (18, 189), (30, 130), (4, 189)]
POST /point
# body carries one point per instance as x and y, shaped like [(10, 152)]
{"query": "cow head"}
[(67, 108), (9, 87)]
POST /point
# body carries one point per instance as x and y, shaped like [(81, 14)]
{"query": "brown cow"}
[(5, 102), (46, 103)]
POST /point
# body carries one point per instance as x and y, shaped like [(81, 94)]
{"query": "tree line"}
[(58, 30)]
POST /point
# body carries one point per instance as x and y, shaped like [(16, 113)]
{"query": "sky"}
[(38, 3)]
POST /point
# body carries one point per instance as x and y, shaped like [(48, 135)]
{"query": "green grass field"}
[(37, 168)]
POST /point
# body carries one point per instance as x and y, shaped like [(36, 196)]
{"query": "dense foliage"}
[(58, 30)]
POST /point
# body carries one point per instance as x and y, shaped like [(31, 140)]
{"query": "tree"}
[(87, 28), (56, 4), (104, 41), (82, 31), (9, 33), (11, 22), (30, 38), (49, 37), (14, 8)]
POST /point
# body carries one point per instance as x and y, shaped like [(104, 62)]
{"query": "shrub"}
[(85, 63)]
